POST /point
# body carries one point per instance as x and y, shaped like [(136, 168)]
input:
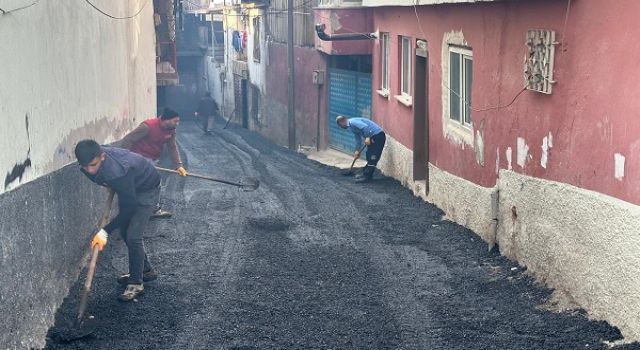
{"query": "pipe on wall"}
[(348, 36)]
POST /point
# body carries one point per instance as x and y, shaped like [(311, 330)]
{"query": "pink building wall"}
[(345, 21), (592, 113), (306, 95)]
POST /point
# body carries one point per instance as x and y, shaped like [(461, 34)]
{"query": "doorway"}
[(421, 115)]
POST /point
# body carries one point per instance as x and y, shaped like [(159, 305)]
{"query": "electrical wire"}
[(115, 17), (464, 100), (564, 27), (5, 12)]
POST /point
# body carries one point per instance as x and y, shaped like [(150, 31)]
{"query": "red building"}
[(518, 119)]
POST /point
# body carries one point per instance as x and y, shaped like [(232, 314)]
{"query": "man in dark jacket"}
[(206, 110), (136, 182)]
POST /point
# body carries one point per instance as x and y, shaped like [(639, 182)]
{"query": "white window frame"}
[(384, 64), (405, 71), (466, 54), (405, 46)]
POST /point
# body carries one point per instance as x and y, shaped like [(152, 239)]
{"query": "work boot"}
[(131, 292), (147, 276), (161, 213)]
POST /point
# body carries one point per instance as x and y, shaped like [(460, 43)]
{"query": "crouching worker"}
[(136, 182), (367, 132)]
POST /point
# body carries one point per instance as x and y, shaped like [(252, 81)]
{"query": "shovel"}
[(350, 172), (249, 184), (82, 326)]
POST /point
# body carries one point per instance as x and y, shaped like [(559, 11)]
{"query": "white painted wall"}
[(76, 74)]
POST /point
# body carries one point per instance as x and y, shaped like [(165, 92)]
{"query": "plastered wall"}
[(68, 73), (582, 244)]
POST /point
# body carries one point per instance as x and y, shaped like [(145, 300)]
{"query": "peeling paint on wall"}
[(497, 160), (17, 172), (479, 147), (547, 143), (509, 154), (619, 160), (523, 152)]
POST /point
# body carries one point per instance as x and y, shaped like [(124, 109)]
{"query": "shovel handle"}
[(356, 158), (94, 259), (204, 177)]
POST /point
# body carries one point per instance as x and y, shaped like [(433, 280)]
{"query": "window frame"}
[(466, 55), (408, 69), (256, 39), (384, 62)]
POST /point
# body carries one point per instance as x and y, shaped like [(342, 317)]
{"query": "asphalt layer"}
[(312, 260)]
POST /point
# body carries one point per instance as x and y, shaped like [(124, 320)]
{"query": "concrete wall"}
[(580, 243), (463, 202), (68, 73), (584, 133)]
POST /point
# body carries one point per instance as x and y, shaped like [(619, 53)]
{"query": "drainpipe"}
[(348, 36)]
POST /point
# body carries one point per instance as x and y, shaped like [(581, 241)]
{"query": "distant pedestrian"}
[(137, 183), (148, 140), (369, 133), (207, 108)]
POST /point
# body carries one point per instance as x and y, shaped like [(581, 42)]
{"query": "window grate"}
[(538, 62)]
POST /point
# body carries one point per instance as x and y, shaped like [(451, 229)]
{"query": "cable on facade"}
[(115, 17), (564, 27), (5, 12)]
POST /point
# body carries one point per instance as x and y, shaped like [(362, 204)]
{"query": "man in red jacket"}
[(149, 138)]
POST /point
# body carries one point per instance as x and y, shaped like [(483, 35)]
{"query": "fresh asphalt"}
[(311, 260)]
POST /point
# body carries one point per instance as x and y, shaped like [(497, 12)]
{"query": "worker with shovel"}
[(374, 139), (136, 182), (149, 138)]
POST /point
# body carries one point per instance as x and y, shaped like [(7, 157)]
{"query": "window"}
[(256, 39), (384, 63), (405, 76), (460, 77)]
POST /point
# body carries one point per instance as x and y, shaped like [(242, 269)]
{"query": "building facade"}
[(517, 119)]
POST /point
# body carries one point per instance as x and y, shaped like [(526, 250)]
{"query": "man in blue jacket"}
[(137, 183), (369, 133)]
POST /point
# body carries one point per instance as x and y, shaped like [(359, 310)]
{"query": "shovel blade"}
[(79, 329)]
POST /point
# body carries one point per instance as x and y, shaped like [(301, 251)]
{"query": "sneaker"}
[(131, 292), (160, 213), (147, 276)]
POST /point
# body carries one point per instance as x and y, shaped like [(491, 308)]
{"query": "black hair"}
[(168, 113), (86, 151)]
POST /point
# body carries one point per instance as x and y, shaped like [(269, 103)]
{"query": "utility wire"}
[(115, 17), (5, 12), (464, 100)]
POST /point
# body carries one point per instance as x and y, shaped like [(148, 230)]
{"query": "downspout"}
[(347, 36)]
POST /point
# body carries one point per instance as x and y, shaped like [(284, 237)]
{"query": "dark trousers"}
[(374, 150), (134, 231)]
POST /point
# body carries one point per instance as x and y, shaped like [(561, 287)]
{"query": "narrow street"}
[(313, 261)]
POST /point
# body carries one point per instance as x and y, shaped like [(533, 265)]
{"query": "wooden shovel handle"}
[(94, 259), (96, 250)]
